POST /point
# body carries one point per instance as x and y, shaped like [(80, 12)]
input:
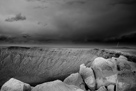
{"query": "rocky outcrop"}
[(15, 85), (39, 65), (113, 74), (115, 71)]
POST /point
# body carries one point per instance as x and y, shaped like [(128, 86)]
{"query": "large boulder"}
[(124, 65), (56, 85), (15, 85), (126, 74), (75, 79), (88, 76), (126, 81), (105, 66), (105, 71)]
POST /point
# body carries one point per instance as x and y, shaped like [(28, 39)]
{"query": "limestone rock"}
[(105, 71), (102, 89), (105, 66), (15, 85), (56, 85), (111, 87), (75, 79), (88, 76)]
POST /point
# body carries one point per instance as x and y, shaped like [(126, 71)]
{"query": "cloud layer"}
[(68, 20), (17, 17)]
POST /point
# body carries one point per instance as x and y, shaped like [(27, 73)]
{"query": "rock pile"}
[(114, 74)]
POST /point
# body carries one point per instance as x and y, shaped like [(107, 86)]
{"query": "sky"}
[(84, 21)]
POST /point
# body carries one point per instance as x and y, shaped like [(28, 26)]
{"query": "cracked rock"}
[(105, 71), (88, 76)]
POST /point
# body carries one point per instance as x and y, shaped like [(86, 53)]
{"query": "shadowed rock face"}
[(37, 65)]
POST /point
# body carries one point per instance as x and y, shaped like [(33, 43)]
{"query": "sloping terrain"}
[(35, 65)]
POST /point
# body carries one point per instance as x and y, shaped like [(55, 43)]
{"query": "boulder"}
[(126, 81), (15, 85), (124, 65), (88, 76), (105, 71), (56, 85), (75, 79), (102, 88), (111, 87), (105, 67)]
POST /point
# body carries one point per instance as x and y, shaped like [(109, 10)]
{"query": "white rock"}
[(111, 87), (105, 66), (75, 79), (15, 85), (105, 71), (56, 86), (88, 76)]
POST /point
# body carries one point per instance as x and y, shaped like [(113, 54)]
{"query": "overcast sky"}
[(67, 19)]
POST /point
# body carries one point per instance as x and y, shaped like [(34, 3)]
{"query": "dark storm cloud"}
[(3, 38), (126, 38), (109, 25), (76, 20), (15, 39), (6, 38), (127, 2), (18, 17)]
